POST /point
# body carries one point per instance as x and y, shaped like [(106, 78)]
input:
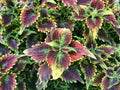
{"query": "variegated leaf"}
[(38, 52), (28, 16), (7, 82), (7, 62), (72, 74), (80, 51), (62, 59)]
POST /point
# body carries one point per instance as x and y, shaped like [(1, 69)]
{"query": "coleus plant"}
[(94, 13), (7, 78), (57, 52)]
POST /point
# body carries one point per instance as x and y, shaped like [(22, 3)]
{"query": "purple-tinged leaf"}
[(7, 62), (68, 24), (70, 3), (106, 83), (12, 43), (109, 72), (44, 73), (94, 24), (111, 18), (38, 52), (63, 35), (62, 59), (91, 43), (4, 49), (7, 82), (107, 49), (28, 16), (80, 51), (89, 71), (83, 2), (6, 19), (32, 40), (117, 31), (80, 15), (98, 79), (50, 5), (103, 35), (21, 85), (46, 25), (20, 65), (43, 12), (113, 82), (72, 74), (97, 4)]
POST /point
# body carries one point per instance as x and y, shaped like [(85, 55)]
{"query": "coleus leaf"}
[(43, 12), (80, 51), (62, 59), (72, 74), (7, 62), (4, 49), (80, 15), (46, 25), (56, 71), (21, 85), (98, 79), (107, 49), (106, 83), (89, 71), (12, 43), (70, 3), (67, 24), (97, 4), (83, 2), (50, 5), (111, 18), (44, 73), (117, 29), (6, 19), (94, 24), (38, 52), (63, 35), (8, 82), (28, 16)]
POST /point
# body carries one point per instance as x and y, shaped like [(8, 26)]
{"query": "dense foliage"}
[(59, 45)]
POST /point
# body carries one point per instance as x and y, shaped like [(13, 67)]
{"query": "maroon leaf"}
[(89, 71), (7, 62), (117, 31), (106, 84), (44, 73), (81, 50), (4, 49), (83, 2), (12, 43), (71, 3), (111, 18), (97, 4), (102, 35), (98, 79), (38, 52), (50, 5), (107, 49), (81, 16), (72, 74), (8, 82), (63, 35), (46, 25), (6, 19), (28, 16), (21, 85), (62, 59), (94, 24)]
